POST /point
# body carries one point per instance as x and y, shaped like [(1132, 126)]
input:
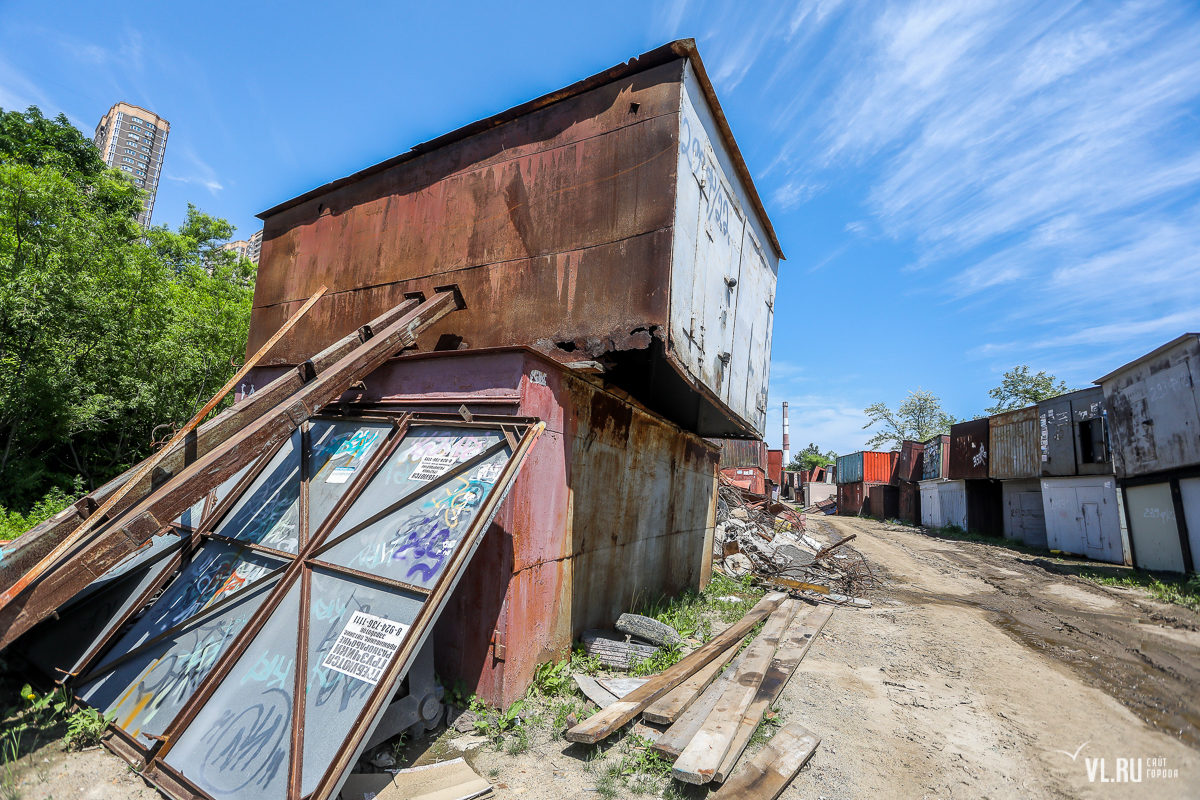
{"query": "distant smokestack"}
[(787, 447)]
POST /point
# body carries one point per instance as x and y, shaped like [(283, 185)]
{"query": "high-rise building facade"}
[(250, 249), (133, 139)]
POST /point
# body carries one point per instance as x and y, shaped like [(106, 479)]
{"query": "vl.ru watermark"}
[(1124, 770)]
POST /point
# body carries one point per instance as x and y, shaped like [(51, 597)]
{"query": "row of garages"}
[(1111, 472)]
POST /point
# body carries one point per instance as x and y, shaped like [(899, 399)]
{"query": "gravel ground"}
[(978, 673)]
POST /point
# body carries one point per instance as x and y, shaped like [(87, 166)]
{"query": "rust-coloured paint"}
[(775, 466), (557, 219), (910, 461), (853, 498), (752, 479), (970, 450), (910, 502), (613, 504), (742, 453), (883, 501), (1014, 439)]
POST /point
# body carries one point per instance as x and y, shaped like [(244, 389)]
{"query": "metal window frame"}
[(519, 434)]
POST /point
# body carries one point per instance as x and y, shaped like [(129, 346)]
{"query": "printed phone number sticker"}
[(365, 647)]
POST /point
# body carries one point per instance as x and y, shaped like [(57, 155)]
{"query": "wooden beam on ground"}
[(668, 709), (703, 755), (599, 726), (769, 772), (800, 635), (676, 738), (594, 691)]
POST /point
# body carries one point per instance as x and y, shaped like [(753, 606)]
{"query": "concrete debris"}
[(615, 650), (754, 536), (651, 630)]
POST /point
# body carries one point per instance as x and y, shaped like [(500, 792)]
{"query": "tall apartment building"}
[(250, 249), (134, 140)]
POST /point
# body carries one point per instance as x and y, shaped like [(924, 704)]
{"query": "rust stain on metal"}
[(970, 450)]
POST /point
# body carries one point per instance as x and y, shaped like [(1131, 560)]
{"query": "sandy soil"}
[(979, 672)]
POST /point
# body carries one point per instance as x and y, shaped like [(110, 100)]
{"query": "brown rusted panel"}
[(775, 466), (970, 450), (1014, 440), (910, 502), (910, 461), (614, 503), (883, 501), (591, 299), (742, 453)]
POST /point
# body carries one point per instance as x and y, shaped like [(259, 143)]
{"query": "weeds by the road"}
[(1182, 590)]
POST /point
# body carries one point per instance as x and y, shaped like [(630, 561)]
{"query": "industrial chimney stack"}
[(787, 448)]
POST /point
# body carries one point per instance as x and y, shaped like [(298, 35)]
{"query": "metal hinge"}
[(498, 648)]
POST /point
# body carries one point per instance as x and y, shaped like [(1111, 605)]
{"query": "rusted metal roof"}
[(680, 48)]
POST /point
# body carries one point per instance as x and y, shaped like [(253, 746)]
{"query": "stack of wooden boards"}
[(713, 713)]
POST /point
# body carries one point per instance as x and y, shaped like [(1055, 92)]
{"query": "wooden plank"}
[(685, 728), (600, 725), (704, 753), (803, 631), (679, 699), (619, 687), (594, 691), (676, 738), (769, 773)]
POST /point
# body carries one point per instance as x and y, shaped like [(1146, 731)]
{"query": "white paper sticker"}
[(341, 474), (432, 467), (365, 646)]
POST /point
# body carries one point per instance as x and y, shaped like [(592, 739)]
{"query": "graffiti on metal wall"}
[(694, 146)]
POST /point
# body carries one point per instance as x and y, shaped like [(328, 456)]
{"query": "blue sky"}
[(958, 187)]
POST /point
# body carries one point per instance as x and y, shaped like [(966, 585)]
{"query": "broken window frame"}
[(517, 437)]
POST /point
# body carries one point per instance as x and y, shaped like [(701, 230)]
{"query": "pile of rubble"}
[(768, 540)]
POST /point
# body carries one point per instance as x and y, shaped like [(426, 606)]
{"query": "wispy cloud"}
[(196, 171)]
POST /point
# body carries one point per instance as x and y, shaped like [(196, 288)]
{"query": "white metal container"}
[(931, 509), (1024, 515), (1155, 528), (952, 497), (1084, 516)]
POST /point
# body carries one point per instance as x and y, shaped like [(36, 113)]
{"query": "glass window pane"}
[(413, 543), (237, 747), (424, 450), (191, 517), (334, 698), (337, 451), (148, 690), (268, 513)]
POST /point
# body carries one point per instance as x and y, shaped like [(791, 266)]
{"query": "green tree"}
[(1019, 389), (106, 330), (918, 418), (811, 457)]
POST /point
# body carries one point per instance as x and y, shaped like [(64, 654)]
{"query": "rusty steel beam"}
[(18, 557), (153, 513)]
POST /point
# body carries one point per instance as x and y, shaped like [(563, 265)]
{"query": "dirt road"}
[(979, 673)]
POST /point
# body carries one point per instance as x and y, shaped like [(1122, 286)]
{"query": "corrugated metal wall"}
[(1015, 444)]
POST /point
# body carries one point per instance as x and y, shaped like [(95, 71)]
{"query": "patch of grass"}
[(1181, 591), (553, 680), (85, 726), (494, 723), (767, 726), (10, 752), (518, 742)]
